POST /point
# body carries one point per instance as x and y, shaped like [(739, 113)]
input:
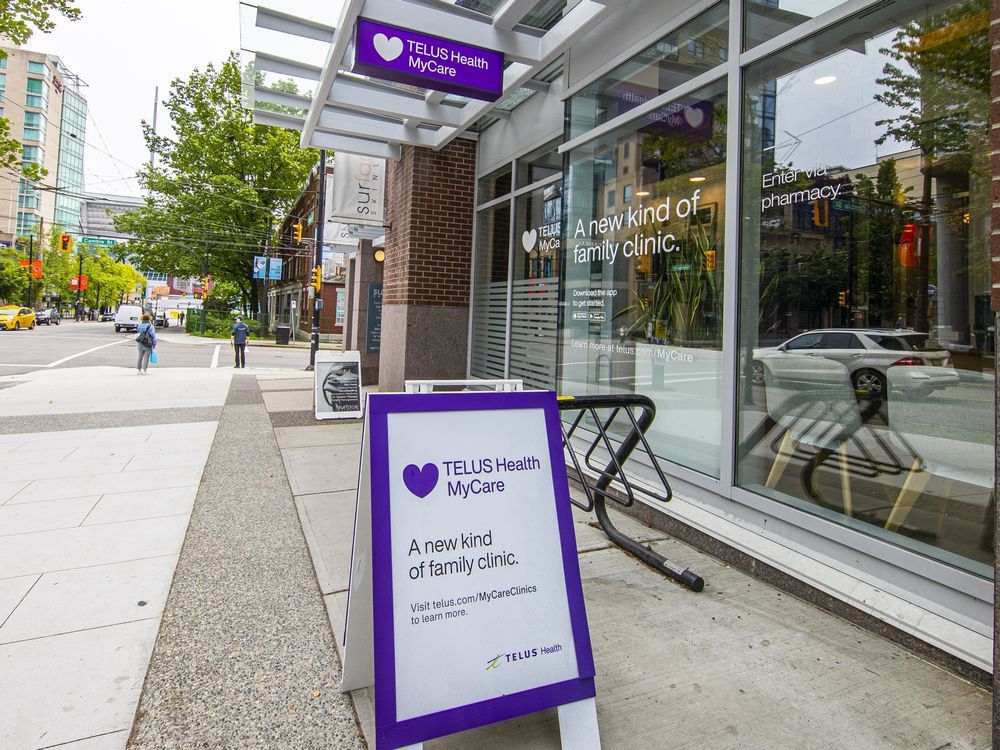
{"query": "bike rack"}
[(614, 473)]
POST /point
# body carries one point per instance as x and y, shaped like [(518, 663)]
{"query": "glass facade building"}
[(772, 217)]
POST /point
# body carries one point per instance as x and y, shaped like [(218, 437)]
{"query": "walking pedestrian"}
[(239, 340), (181, 316), (145, 339)]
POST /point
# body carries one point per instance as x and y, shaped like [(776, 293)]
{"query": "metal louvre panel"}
[(534, 327)]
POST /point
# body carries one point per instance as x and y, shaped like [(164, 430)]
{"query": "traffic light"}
[(297, 231), (316, 281), (842, 299), (65, 243)]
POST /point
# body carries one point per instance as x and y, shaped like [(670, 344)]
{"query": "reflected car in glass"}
[(868, 353), (14, 318)]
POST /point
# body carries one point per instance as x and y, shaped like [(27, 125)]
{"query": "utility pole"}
[(318, 259), (31, 266), (204, 287), (156, 104), (79, 283)]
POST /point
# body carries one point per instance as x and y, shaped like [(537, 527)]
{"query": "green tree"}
[(13, 279), (938, 88), (218, 186)]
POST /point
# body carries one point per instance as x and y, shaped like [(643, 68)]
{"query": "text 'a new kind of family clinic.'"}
[(637, 219)]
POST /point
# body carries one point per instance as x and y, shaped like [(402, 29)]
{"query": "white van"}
[(127, 318)]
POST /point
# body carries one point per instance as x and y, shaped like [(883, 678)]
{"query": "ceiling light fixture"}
[(824, 80), (698, 179)]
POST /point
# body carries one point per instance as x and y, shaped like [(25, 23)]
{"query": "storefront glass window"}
[(535, 286), (489, 291), (697, 46), (495, 184), (543, 163), (642, 282), (867, 343), (765, 19)]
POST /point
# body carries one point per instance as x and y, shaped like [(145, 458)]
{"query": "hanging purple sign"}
[(396, 54)]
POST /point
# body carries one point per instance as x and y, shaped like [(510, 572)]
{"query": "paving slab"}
[(289, 400), (23, 518), (63, 469), (109, 389), (328, 433), (91, 484), (109, 741), (327, 468), (328, 523), (10, 489), (71, 600), (286, 384), (68, 687), (63, 549), (12, 591), (132, 506)]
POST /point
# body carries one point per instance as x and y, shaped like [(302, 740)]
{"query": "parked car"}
[(49, 316), (106, 316), (13, 318), (868, 353), (127, 318)]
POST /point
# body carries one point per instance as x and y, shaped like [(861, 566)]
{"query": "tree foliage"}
[(19, 19), (219, 183)]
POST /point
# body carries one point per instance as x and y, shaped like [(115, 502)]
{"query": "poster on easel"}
[(465, 605), (337, 385)]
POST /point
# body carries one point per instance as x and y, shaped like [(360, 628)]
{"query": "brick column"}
[(995, 297), (428, 262)]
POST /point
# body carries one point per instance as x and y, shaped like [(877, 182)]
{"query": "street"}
[(89, 344)]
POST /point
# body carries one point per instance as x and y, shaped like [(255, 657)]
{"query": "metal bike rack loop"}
[(614, 472)]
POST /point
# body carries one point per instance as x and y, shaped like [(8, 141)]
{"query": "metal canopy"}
[(354, 113)]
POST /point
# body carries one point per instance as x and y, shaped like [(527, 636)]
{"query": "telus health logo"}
[(421, 481)]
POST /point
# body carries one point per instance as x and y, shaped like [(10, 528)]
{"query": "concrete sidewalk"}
[(740, 665), (240, 626), (93, 513)]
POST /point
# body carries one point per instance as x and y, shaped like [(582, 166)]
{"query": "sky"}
[(123, 50)]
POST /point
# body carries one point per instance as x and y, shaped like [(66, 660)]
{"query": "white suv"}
[(868, 353)]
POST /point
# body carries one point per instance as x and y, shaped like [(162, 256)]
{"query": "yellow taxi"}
[(13, 318)]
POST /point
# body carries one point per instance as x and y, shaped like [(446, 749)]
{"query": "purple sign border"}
[(372, 66), (389, 732)]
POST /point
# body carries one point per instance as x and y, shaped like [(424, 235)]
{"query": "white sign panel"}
[(478, 610), (357, 190), (337, 385)]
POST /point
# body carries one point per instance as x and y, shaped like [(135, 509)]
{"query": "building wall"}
[(428, 255), (14, 108)]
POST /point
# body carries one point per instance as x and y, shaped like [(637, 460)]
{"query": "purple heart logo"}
[(421, 482)]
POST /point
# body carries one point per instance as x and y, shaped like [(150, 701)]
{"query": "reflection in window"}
[(643, 280), (865, 281), (680, 56), (766, 19)]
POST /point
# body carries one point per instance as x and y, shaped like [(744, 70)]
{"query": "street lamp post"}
[(318, 259)]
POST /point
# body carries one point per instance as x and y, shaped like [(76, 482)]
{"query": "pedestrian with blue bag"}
[(145, 339)]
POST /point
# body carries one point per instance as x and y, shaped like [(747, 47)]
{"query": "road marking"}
[(24, 365), (80, 354), (215, 356)]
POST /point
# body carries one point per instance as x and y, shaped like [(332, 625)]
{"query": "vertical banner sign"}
[(337, 385), (373, 336), (357, 191), (907, 246), (476, 605), (403, 55)]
